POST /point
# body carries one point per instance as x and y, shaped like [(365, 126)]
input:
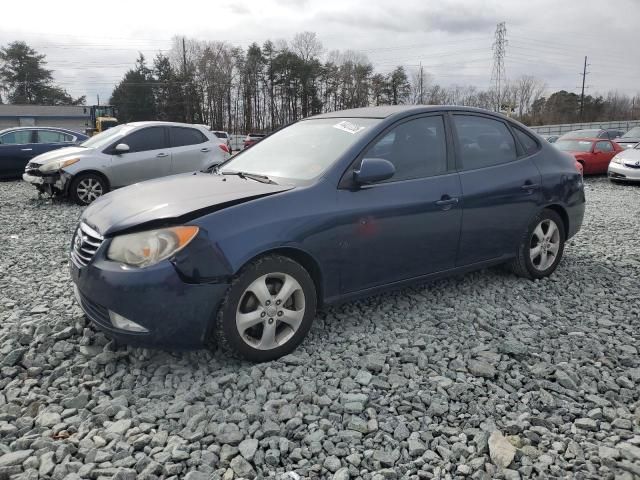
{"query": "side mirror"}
[(122, 148), (373, 170)]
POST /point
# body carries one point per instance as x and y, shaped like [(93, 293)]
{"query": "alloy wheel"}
[(270, 311), (544, 245), (89, 189)]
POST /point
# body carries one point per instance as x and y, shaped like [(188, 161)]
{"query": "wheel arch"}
[(304, 258), (90, 171), (560, 210)]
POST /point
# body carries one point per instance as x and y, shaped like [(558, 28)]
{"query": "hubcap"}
[(89, 189), (544, 244), (270, 311)]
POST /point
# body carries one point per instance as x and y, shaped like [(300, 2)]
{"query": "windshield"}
[(634, 132), (573, 145), (302, 151), (107, 137)]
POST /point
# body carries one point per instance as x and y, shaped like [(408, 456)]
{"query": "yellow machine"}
[(103, 117)]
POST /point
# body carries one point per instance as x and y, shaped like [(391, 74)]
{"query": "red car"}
[(594, 154), (252, 138)]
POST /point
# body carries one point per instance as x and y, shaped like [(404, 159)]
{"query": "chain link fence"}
[(568, 127)]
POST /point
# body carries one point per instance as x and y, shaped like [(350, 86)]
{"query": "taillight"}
[(224, 148)]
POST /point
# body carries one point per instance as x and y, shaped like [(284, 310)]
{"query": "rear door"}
[(16, 149), (47, 140), (148, 157), (501, 187), (191, 150)]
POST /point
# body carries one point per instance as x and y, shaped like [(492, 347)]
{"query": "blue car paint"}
[(353, 241), (14, 157)]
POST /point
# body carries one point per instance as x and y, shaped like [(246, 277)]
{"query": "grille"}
[(97, 313), (632, 165), (85, 244), (32, 169)]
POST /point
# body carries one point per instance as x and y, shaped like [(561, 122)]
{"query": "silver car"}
[(625, 166), (123, 155)]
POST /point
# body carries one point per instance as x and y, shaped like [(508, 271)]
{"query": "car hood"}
[(172, 199), (61, 154), (627, 140), (630, 154)]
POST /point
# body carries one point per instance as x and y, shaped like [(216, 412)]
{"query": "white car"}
[(124, 155), (224, 137), (625, 166)]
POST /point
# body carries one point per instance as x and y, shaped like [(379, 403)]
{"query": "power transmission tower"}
[(584, 76), (498, 75)]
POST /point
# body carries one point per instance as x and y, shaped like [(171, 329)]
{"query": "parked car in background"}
[(551, 138), (252, 138), (123, 155), (629, 139), (18, 145), (625, 166), (333, 207), (609, 134), (225, 138), (593, 153)]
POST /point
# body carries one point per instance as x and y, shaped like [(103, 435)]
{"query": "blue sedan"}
[(18, 145), (331, 208)]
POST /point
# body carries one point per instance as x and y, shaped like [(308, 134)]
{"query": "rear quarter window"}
[(528, 143)]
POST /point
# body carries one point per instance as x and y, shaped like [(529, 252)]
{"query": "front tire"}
[(541, 247), (87, 187), (267, 311)]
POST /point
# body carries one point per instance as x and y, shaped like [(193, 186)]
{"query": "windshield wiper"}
[(248, 175)]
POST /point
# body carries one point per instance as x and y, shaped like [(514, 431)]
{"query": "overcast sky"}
[(90, 45)]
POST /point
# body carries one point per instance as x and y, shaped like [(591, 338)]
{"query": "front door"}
[(501, 188), (16, 149), (148, 157), (603, 152), (408, 225)]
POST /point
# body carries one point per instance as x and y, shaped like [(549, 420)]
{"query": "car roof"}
[(585, 139), (42, 127), (158, 123), (389, 110)]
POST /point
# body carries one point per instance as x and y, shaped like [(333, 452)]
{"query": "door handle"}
[(446, 202), (26, 149), (161, 155), (530, 187), (205, 149)]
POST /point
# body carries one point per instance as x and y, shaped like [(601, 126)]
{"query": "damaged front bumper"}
[(51, 183)]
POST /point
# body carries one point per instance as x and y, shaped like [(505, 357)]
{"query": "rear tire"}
[(87, 187), (267, 311), (541, 247)]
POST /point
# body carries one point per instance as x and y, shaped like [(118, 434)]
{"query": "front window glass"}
[(104, 139), (417, 148), (146, 139), (574, 145), (302, 151), (19, 137)]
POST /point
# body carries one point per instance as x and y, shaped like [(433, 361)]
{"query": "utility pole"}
[(98, 95), (186, 86), (498, 74), (421, 77), (584, 76)]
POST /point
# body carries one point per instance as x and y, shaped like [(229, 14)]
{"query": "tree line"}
[(263, 87)]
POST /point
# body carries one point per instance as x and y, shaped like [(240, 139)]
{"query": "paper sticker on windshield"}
[(348, 127)]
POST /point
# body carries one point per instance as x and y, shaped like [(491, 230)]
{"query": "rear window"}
[(573, 145)]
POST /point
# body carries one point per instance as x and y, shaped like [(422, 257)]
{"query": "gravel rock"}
[(502, 452), (409, 384)]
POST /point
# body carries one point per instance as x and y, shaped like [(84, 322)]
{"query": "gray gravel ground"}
[(483, 376)]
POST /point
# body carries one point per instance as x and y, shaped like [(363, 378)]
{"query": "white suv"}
[(123, 155)]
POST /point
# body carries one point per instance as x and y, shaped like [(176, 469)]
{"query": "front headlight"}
[(617, 159), (57, 165), (148, 248)]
